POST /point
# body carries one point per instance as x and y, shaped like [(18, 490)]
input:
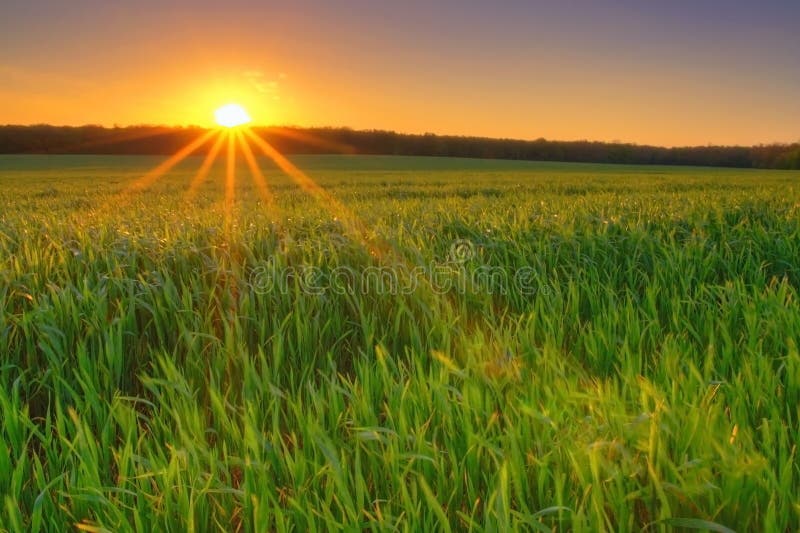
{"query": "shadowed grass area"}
[(629, 361)]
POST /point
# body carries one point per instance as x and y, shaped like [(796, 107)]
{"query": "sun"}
[(231, 116)]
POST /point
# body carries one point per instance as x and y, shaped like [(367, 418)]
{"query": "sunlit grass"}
[(147, 382)]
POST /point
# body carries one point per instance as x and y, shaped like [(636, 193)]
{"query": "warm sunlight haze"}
[(665, 73), (231, 116)]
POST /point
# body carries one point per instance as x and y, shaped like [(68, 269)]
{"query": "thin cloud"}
[(261, 83)]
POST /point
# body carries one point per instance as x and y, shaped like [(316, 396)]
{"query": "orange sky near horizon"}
[(629, 75)]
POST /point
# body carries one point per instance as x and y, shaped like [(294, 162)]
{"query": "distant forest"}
[(159, 140)]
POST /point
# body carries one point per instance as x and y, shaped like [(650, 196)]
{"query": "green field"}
[(583, 347)]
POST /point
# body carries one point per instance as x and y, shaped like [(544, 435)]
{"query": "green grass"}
[(649, 379)]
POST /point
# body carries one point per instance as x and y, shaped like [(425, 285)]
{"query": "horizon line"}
[(419, 134)]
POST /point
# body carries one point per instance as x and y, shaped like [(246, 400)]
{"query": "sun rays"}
[(242, 141), (151, 177), (230, 179), (351, 223), (255, 172), (205, 168)]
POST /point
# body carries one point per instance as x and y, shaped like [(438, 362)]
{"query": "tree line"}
[(161, 140)]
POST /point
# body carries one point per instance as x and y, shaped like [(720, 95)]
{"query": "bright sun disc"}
[(231, 115)]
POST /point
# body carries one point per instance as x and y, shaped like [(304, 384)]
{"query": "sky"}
[(679, 72)]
